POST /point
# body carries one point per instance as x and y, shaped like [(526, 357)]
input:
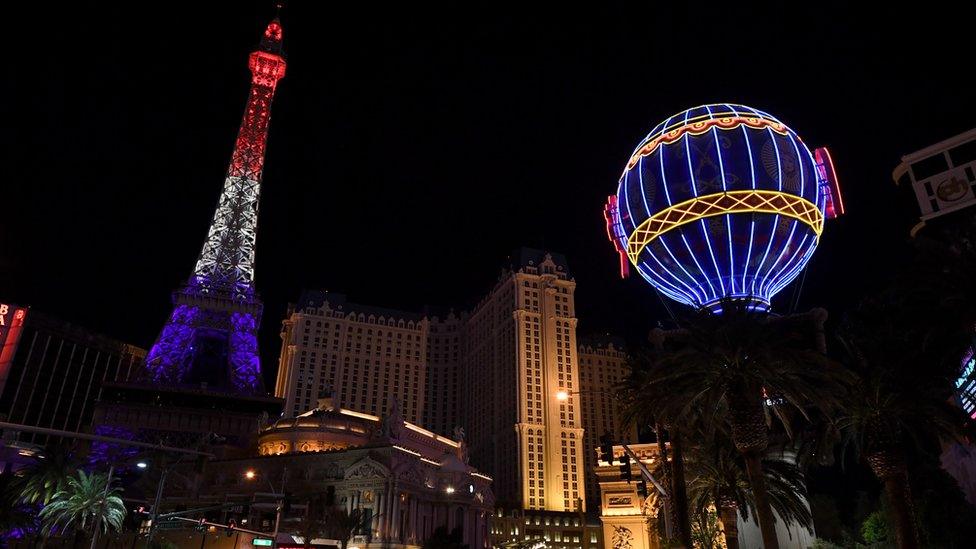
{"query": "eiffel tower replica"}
[(202, 377)]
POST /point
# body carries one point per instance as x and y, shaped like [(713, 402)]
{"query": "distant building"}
[(524, 529), (406, 480), (442, 406), (363, 356), (603, 364), (58, 371), (941, 178)]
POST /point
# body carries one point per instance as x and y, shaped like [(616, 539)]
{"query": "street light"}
[(142, 465), (250, 474), (562, 395)]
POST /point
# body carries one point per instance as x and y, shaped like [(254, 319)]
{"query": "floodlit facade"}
[(508, 376), (519, 352), (603, 364), (363, 356)]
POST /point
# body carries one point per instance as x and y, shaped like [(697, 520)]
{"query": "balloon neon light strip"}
[(745, 201), (723, 121)]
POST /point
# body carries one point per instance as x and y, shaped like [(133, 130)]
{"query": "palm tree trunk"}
[(679, 489), (888, 464), (730, 527), (671, 508), (899, 497), (764, 512)]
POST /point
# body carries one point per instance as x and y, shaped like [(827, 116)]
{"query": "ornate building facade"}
[(364, 356), (405, 480), (630, 521), (532, 399)]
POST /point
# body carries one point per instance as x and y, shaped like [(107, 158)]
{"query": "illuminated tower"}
[(211, 335)]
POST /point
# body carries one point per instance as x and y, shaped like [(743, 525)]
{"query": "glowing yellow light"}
[(562, 395), (700, 125), (747, 201), (250, 474)]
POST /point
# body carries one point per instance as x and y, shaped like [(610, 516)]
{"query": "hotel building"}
[(603, 364), (363, 356)]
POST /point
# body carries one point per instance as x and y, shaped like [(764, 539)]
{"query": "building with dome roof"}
[(405, 480)]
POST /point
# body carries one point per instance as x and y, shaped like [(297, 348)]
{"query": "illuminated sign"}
[(261, 542), (11, 325)]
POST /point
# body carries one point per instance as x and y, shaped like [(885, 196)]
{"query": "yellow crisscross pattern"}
[(746, 201)]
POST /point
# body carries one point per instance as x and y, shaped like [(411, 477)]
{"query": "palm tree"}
[(15, 515), (901, 400), (342, 525), (84, 500), (638, 408), (742, 368), (718, 477), (46, 475), (313, 524)]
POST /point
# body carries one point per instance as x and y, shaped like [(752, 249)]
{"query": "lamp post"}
[(250, 474)]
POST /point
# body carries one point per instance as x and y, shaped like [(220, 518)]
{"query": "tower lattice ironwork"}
[(211, 335)]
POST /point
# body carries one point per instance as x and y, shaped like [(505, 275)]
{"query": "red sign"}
[(11, 325)]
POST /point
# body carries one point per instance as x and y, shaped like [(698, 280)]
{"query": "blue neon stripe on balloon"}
[(673, 291), (728, 218), (769, 278), (772, 232), (703, 296), (697, 296), (779, 257), (630, 215), (795, 269), (787, 267), (640, 178), (695, 259), (664, 184), (799, 266), (701, 222)]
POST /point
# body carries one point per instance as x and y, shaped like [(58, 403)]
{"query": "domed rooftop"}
[(330, 428)]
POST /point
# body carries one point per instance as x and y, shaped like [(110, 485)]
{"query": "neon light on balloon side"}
[(724, 160)]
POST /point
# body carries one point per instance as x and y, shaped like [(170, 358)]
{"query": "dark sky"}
[(410, 152)]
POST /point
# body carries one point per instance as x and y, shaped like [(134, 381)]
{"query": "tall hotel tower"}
[(518, 352)]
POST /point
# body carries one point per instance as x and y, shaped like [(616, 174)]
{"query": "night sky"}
[(411, 151)]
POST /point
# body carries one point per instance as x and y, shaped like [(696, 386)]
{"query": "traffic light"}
[(231, 526), (606, 447), (642, 488), (625, 472), (201, 525)]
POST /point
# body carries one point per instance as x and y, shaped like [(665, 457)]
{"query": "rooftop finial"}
[(272, 38)]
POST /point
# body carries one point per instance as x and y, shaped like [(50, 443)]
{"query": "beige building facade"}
[(519, 352), (603, 364), (364, 356)]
